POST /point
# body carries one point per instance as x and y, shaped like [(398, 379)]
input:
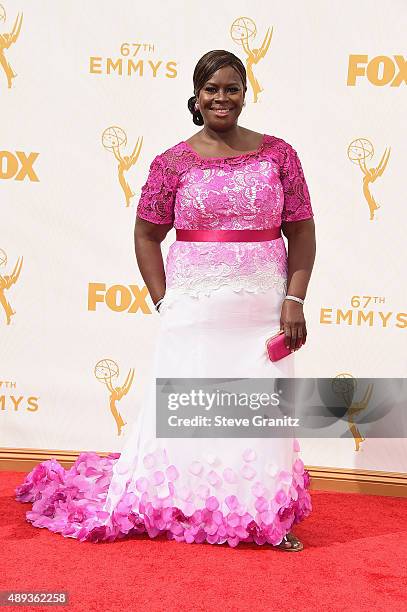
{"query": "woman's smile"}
[(221, 112)]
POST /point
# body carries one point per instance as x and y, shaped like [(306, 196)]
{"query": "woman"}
[(220, 297)]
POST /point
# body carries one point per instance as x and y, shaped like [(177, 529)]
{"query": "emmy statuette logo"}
[(114, 139), (241, 30), (360, 151), (105, 371), (344, 385), (6, 40), (6, 282)]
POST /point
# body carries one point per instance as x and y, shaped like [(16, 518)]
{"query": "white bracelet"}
[(158, 304), (294, 299)]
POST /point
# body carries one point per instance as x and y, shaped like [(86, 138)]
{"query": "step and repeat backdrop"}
[(90, 93)]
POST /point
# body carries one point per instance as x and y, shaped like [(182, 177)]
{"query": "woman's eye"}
[(230, 89)]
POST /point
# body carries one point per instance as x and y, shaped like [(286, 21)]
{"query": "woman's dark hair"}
[(205, 68)]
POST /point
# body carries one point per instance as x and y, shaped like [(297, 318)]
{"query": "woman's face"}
[(223, 90)]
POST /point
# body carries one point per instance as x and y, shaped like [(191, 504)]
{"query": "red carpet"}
[(355, 558)]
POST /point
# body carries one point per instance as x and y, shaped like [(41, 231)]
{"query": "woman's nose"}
[(221, 96)]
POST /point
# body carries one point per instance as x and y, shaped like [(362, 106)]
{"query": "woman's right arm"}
[(147, 242)]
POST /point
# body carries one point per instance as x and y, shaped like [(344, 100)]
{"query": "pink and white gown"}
[(223, 300)]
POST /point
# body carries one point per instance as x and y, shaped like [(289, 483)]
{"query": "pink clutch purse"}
[(276, 347)]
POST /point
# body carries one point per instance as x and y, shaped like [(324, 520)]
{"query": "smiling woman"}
[(228, 192), (221, 110), (219, 102)]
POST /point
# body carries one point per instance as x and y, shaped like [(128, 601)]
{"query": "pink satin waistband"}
[(247, 235)]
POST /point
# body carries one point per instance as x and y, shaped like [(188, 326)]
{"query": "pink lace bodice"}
[(255, 190)]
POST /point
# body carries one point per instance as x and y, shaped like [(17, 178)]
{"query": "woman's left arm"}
[(301, 257)]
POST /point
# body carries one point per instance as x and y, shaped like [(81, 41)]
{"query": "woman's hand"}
[(292, 322)]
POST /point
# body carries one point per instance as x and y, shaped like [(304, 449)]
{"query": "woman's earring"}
[(196, 107)]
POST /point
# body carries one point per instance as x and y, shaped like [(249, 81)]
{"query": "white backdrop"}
[(81, 68)]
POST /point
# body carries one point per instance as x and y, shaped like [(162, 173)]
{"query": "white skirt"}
[(213, 490), (239, 482)]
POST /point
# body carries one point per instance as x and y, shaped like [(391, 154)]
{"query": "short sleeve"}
[(297, 203), (156, 203)]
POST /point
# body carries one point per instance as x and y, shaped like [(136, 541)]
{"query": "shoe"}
[(296, 545)]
